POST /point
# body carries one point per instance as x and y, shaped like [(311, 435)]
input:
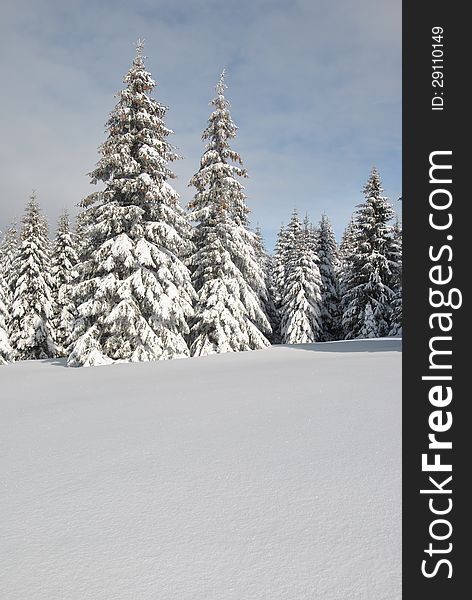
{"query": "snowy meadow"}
[(265, 474)]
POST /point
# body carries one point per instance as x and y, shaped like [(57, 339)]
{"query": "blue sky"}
[(315, 89)]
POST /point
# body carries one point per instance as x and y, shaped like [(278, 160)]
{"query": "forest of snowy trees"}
[(139, 277)]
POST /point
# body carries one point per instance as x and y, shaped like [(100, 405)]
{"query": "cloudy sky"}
[(315, 89)]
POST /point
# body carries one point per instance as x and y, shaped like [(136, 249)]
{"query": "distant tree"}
[(372, 263), (64, 274), (266, 297), (278, 267), (301, 295), (226, 269), (8, 249), (345, 254), (327, 251), (6, 352), (397, 311), (31, 332), (134, 296)]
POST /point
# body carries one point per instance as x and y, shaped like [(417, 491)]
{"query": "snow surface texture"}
[(272, 474)]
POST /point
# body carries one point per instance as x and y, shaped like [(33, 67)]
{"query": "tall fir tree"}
[(64, 274), (134, 296), (226, 271), (327, 252), (31, 331), (368, 284), (301, 295), (282, 255)]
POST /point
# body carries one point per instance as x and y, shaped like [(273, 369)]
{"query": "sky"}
[(314, 87)]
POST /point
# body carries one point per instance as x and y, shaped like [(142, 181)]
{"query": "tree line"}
[(139, 278)]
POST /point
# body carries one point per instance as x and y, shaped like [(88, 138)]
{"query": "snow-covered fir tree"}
[(8, 250), (371, 266), (134, 296), (6, 352), (327, 251), (397, 310), (64, 274), (31, 331), (226, 271), (246, 253), (277, 280), (282, 255), (301, 294)]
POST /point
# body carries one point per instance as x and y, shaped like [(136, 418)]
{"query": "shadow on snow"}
[(368, 345)]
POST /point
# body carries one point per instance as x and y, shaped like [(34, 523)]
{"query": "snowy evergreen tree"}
[(278, 264), (226, 270), (134, 296), (31, 332), (6, 352), (397, 311), (64, 273), (301, 295), (374, 252), (273, 311), (328, 264), (283, 254), (8, 250)]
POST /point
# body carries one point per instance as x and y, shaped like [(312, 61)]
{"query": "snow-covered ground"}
[(262, 475)]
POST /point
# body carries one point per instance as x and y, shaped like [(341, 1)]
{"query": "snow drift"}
[(272, 474)]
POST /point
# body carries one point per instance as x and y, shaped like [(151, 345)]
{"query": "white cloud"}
[(315, 89)]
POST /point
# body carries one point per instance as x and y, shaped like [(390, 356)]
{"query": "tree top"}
[(221, 85)]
